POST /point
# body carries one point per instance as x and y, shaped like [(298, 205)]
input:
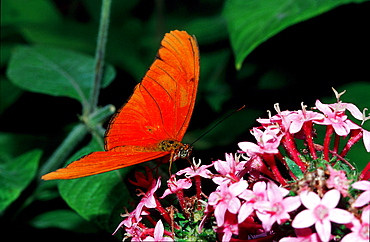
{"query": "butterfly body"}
[(154, 120)]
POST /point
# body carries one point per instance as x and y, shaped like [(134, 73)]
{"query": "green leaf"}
[(252, 22), (14, 144), (16, 174), (294, 168), (8, 93), (99, 198), (54, 71), (200, 28), (63, 219), (28, 12), (216, 90)]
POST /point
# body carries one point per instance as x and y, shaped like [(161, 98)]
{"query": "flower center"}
[(321, 212), (364, 231), (278, 208)]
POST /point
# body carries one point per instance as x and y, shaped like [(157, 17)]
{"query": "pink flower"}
[(229, 169), (176, 185), (225, 198), (303, 235), (281, 119), (321, 212), (276, 209), (364, 198), (300, 117), (342, 107), (251, 198), (360, 229), (338, 120), (229, 227), (338, 180), (268, 141), (158, 234), (148, 199), (196, 170)]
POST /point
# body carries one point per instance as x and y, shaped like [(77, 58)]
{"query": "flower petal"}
[(365, 217), (237, 188), (366, 139), (220, 214), (331, 198), (245, 210), (350, 237), (362, 199), (361, 185), (291, 203), (267, 220), (259, 187), (234, 205), (341, 129), (273, 192), (323, 107), (158, 231), (309, 199), (353, 109), (340, 216), (323, 229), (304, 219)]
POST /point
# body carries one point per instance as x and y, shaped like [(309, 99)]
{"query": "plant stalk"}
[(99, 55)]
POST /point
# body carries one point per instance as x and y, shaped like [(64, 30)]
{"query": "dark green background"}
[(285, 52)]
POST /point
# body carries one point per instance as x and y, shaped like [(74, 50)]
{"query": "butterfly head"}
[(183, 152)]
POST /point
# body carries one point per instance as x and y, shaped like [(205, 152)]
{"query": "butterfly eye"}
[(184, 151)]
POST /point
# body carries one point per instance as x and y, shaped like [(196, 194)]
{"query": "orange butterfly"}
[(153, 122)]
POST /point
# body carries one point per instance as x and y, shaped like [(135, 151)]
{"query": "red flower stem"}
[(356, 135), (256, 163), (342, 159), (198, 187), (336, 143), (180, 197), (147, 232), (150, 219), (290, 147), (365, 173), (307, 129), (270, 160), (329, 132), (164, 213)]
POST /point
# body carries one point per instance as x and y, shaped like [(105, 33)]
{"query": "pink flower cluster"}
[(233, 203), (133, 223), (283, 128), (236, 207), (258, 196)]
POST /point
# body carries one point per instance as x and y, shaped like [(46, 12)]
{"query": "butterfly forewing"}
[(162, 103), (155, 118)]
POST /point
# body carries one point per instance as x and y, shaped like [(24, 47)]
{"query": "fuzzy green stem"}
[(99, 54), (60, 155), (58, 158)]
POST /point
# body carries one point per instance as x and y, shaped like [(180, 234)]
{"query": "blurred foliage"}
[(285, 51)]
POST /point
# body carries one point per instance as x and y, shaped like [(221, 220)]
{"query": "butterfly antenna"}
[(220, 121)]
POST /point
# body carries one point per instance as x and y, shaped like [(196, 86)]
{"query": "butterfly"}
[(154, 120)]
